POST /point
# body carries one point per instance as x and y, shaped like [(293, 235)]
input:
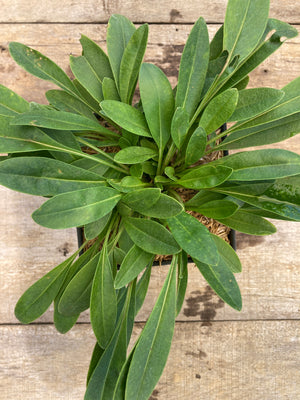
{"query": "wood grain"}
[(155, 11), (166, 42), (219, 361)]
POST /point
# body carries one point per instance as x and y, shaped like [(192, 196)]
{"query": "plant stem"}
[(122, 167), (169, 156)]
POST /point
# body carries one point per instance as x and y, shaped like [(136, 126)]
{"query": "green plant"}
[(119, 170)]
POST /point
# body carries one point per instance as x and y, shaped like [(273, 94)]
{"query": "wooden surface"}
[(217, 353)]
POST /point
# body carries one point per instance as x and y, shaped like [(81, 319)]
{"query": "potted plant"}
[(134, 168)]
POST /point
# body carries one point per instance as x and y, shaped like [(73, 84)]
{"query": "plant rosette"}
[(114, 162)]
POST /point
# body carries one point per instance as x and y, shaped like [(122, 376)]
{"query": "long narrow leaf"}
[(37, 299), (150, 355), (119, 32), (76, 208), (61, 120), (41, 66), (261, 164), (11, 103), (43, 176), (134, 263), (193, 237), (131, 62), (96, 57), (126, 116), (151, 236), (222, 281), (103, 301), (87, 77), (244, 25), (158, 103), (193, 67)]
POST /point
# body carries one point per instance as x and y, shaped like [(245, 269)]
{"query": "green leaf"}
[(19, 139), (134, 263), (193, 67), (288, 105), (205, 176), (142, 288), (61, 120), (127, 184), (11, 103), (76, 208), (286, 189), (268, 133), (158, 102), (255, 101), (136, 170), (245, 23), (216, 45), (196, 146), (37, 299), (182, 280), (279, 199), (164, 207), (248, 223), (222, 281), (103, 380), (97, 354), (121, 382), (96, 57), (134, 155), (193, 237), (152, 349), (179, 126), (282, 32), (119, 32), (64, 101), (87, 77), (43, 176), (262, 164), (151, 236), (219, 110), (216, 208), (109, 89), (227, 254), (64, 323), (103, 306), (86, 97), (93, 229), (39, 65), (76, 297), (141, 199), (126, 116), (131, 62), (241, 85), (203, 196)]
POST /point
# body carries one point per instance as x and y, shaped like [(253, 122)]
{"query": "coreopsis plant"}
[(117, 161)]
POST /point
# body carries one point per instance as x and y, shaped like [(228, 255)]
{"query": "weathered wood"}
[(216, 361), (270, 280), (155, 11), (58, 41)]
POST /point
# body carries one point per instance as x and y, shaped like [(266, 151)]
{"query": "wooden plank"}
[(154, 11), (58, 41), (270, 281), (220, 361)]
